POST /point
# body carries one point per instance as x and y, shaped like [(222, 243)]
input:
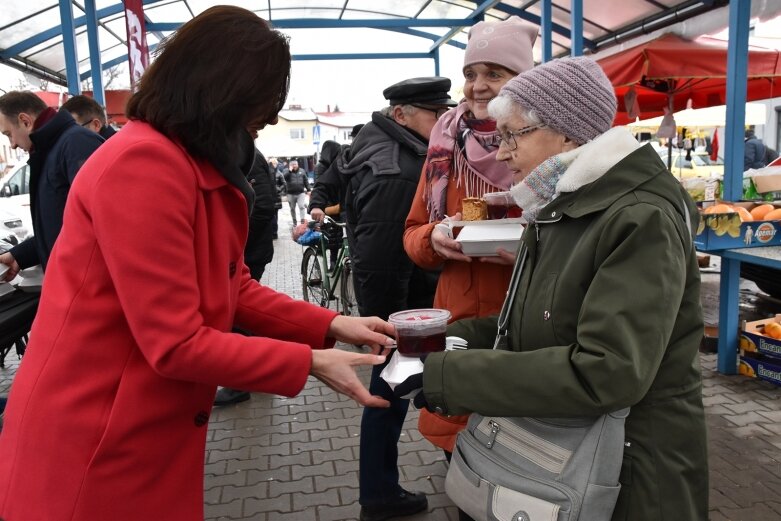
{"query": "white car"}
[(15, 219)]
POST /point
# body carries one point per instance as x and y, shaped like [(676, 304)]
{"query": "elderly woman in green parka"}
[(607, 311)]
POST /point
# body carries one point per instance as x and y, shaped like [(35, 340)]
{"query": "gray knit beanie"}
[(570, 95)]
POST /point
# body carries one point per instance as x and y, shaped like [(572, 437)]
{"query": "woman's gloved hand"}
[(412, 388)]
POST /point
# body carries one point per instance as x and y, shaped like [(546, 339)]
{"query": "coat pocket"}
[(486, 500)]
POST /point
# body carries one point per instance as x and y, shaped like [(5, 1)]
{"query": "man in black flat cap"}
[(375, 180)]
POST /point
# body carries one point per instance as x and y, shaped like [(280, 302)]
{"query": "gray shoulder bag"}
[(535, 469)]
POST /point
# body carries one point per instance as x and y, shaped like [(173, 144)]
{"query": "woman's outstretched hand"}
[(371, 331), (335, 368)]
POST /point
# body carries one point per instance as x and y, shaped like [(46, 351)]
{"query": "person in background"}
[(89, 114), (753, 151), (380, 172), (281, 191), (604, 312), (108, 415), (297, 183), (58, 148), (321, 203), (462, 163), (259, 250), (356, 128), (327, 155)]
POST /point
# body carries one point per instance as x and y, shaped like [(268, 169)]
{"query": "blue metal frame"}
[(475, 15), (576, 20), (29, 43), (69, 47), (737, 72), (325, 23), (546, 26), (533, 18), (94, 51)]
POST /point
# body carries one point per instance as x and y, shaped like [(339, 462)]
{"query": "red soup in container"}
[(420, 331)]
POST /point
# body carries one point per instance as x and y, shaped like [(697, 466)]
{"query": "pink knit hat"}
[(570, 95), (507, 43)]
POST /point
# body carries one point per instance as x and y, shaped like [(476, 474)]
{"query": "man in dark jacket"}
[(380, 171), (297, 187), (753, 151), (89, 114), (58, 147)]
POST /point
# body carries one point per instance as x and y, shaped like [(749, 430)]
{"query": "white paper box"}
[(482, 240), (400, 368)]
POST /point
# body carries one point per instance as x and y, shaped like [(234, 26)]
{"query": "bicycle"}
[(320, 284)]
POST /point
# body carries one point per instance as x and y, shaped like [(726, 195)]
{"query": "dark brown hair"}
[(85, 107), (21, 101), (221, 70)]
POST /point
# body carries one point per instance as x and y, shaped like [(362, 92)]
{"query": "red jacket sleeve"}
[(160, 288)]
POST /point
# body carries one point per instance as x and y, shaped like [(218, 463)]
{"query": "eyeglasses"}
[(508, 136), (439, 112), (87, 123)]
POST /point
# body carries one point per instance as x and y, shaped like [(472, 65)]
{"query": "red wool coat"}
[(108, 412)]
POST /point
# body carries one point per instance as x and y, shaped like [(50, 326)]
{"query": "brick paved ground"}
[(273, 458)]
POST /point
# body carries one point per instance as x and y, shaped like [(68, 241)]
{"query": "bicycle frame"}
[(319, 285)]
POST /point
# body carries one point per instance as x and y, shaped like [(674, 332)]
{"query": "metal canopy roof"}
[(31, 31)]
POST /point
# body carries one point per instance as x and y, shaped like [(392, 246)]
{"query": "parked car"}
[(15, 219), (700, 164)]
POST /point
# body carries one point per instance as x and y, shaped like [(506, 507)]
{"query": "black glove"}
[(412, 385)]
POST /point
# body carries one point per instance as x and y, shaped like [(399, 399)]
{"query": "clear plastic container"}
[(501, 205), (420, 331)]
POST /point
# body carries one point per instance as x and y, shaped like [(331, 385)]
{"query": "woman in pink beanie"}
[(603, 312), (462, 163)]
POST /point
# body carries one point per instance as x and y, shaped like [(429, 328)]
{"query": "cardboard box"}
[(753, 339), (483, 238), (722, 231), (768, 179), (759, 367)]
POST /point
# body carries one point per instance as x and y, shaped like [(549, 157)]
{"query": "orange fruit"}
[(719, 208), (775, 215), (773, 330), (759, 212), (745, 215)]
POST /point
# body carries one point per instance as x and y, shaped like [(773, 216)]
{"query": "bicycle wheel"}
[(347, 301), (312, 278)]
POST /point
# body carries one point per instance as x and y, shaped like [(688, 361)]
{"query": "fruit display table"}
[(769, 256)]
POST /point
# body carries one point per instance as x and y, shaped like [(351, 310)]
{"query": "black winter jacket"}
[(381, 171), (60, 148), (297, 182), (259, 249)]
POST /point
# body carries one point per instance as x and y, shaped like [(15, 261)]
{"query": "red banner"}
[(137, 50)]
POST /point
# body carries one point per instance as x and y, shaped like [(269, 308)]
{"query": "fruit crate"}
[(755, 339), (768, 369), (727, 230)]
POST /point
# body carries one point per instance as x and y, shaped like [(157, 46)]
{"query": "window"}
[(296, 133)]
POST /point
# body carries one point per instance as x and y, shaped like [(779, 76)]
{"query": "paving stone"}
[(231, 510), (281, 503), (276, 488), (348, 479), (323, 469), (328, 497), (320, 456), (258, 491)]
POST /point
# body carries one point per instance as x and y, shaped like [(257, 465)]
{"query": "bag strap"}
[(504, 315)]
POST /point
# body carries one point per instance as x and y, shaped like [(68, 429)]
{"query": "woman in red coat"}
[(108, 414)]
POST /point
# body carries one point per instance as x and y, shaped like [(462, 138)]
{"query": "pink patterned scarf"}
[(463, 150)]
